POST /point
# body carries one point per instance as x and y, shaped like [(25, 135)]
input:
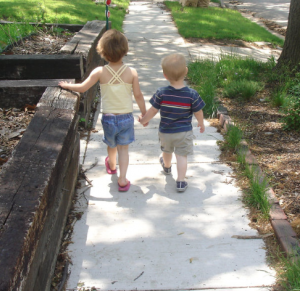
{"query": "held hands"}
[(202, 127), (140, 120)]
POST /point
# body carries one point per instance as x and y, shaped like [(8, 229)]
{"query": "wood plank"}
[(286, 236), (59, 98), (32, 83), (276, 212), (18, 67), (70, 27), (18, 93), (26, 204)]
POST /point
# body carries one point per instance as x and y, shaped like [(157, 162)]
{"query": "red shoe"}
[(108, 169), (124, 188)]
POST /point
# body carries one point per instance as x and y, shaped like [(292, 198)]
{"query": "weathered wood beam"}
[(36, 190), (70, 27), (18, 93), (24, 67)]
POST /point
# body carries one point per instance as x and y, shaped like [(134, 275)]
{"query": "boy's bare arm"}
[(151, 112), (199, 117), (85, 85), (137, 93)]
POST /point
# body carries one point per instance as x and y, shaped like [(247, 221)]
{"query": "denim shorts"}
[(118, 129)]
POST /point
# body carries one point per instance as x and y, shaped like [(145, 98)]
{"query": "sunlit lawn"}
[(62, 11), (217, 23)]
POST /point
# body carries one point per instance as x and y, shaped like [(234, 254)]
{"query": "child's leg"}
[(112, 157), (181, 167), (123, 164), (167, 159)]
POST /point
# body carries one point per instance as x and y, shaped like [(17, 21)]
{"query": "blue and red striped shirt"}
[(176, 108)]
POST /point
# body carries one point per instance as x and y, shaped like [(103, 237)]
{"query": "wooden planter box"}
[(38, 181)]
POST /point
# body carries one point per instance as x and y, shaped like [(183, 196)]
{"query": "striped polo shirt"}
[(176, 108)]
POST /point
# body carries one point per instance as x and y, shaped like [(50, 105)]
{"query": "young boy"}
[(176, 103)]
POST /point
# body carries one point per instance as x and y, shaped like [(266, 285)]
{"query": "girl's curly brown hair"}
[(113, 45)]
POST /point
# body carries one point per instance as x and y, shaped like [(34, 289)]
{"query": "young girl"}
[(117, 82)]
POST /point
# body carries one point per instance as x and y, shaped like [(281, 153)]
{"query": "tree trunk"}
[(290, 55)]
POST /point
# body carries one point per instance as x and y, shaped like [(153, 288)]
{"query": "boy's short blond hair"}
[(113, 45), (174, 66)]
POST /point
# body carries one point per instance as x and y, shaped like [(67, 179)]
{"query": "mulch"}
[(14, 121), (276, 150)]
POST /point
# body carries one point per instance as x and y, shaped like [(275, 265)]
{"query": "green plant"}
[(241, 157), (292, 113), (11, 33), (57, 30), (241, 88), (202, 75), (41, 12), (278, 98), (233, 137), (257, 196), (289, 277)]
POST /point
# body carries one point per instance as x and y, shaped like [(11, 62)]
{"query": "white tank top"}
[(116, 98)]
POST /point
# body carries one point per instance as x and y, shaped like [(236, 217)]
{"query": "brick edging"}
[(282, 228)]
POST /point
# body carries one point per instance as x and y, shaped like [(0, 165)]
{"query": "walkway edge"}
[(279, 221)]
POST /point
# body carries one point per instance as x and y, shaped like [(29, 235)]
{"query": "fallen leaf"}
[(3, 161), (29, 107)]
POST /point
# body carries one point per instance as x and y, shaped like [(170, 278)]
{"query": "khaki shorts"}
[(180, 143)]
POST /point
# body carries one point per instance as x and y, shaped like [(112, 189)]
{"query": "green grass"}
[(236, 77), (233, 137), (203, 75), (257, 196), (290, 278), (278, 98), (62, 11), (217, 23), (244, 89), (11, 33)]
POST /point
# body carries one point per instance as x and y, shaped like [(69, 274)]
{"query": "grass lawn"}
[(62, 11), (217, 23)]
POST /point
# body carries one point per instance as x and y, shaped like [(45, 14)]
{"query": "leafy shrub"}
[(241, 88), (292, 111), (257, 197), (233, 137), (279, 98)]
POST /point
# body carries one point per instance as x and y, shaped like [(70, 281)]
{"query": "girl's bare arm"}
[(148, 116), (86, 84), (137, 93)]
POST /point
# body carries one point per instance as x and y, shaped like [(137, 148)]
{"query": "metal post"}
[(107, 13)]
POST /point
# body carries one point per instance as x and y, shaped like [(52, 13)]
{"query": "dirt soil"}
[(276, 149), (14, 121), (43, 43)]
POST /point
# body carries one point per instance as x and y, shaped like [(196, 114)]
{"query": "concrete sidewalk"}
[(273, 10), (152, 237)]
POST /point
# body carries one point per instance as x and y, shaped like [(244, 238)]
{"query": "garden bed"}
[(276, 150), (14, 121), (34, 207)]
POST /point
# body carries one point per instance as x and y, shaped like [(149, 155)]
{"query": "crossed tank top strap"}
[(116, 75)]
